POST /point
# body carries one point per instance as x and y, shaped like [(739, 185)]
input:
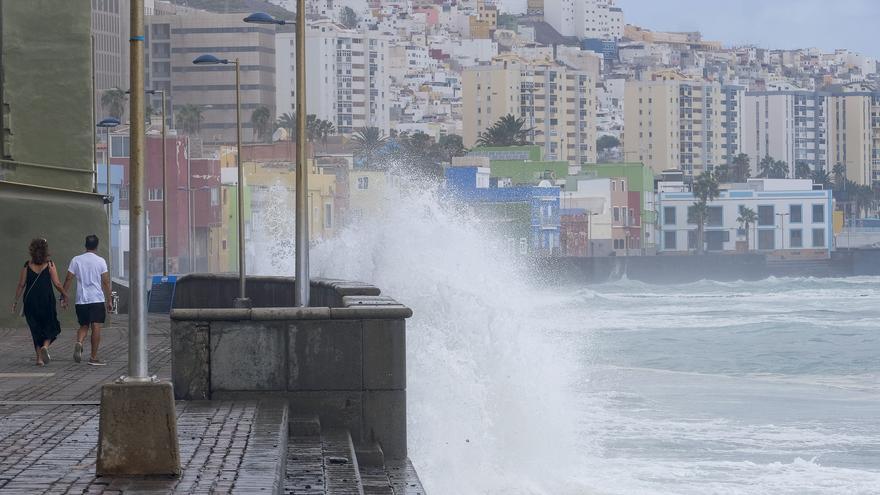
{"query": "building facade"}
[(791, 126), (794, 221), (110, 29), (594, 19), (673, 122), (558, 105), (173, 41)]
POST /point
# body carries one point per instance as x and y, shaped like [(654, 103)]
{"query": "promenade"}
[(49, 432)]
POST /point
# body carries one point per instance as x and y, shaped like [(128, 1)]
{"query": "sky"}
[(826, 24)]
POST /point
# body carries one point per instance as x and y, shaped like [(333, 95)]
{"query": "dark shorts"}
[(87, 314)]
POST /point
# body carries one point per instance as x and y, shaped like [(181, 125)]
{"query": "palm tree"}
[(747, 218), (864, 199), (188, 119), (113, 102), (287, 122), (705, 190), (839, 172), (507, 131), (450, 146), (318, 130), (821, 177), (740, 171), (368, 141), (779, 170), (802, 170), (261, 120), (765, 166)]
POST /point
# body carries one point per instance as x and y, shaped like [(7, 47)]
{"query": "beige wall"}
[(850, 135)]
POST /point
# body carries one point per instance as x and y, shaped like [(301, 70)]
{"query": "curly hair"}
[(39, 250)]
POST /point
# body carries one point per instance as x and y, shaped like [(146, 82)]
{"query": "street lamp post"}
[(107, 124), (589, 223), (301, 288), (242, 301)]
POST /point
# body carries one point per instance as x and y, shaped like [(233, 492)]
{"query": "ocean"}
[(766, 387)]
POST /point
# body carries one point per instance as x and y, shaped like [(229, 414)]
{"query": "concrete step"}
[(262, 464), (305, 426), (403, 476), (161, 298), (341, 473)]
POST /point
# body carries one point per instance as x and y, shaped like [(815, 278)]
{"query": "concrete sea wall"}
[(343, 359)]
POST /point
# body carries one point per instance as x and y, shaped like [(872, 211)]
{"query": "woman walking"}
[(38, 299)]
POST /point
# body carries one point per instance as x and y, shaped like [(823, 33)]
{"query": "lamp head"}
[(263, 18), (108, 122), (209, 60)]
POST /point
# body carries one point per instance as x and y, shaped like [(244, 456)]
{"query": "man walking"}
[(92, 297)]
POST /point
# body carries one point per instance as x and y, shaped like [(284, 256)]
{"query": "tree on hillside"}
[(450, 146), (189, 118), (261, 120), (740, 169), (287, 121), (747, 218), (506, 131), (802, 170), (606, 143), (113, 102), (368, 142), (349, 18)]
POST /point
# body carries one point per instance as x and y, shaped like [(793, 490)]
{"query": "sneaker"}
[(96, 362), (44, 353), (78, 352)]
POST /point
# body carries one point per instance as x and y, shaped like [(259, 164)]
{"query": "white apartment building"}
[(347, 81), (599, 19), (787, 125), (557, 103), (672, 122), (794, 221)]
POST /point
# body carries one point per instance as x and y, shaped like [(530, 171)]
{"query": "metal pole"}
[(242, 301), (301, 285), (94, 119), (137, 315), (109, 205), (164, 192)]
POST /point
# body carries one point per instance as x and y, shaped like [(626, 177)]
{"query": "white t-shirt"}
[(88, 268)]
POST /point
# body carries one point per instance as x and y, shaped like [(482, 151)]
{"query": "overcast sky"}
[(826, 24)]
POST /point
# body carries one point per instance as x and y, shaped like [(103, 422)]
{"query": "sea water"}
[(621, 388)]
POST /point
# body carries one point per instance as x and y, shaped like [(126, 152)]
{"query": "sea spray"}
[(489, 405)]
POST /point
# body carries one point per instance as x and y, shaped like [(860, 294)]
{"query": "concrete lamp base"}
[(137, 435)]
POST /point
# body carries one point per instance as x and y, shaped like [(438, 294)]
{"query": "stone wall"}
[(344, 361)]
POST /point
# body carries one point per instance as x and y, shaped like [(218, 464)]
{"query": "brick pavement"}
[(49, 424)]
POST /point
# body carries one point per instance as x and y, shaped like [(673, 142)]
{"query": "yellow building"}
[(270, 210), (558, 103), (368, 192), (850, 135), (673, 122), (482, 26)]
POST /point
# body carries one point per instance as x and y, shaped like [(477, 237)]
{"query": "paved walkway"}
[(49, 424)]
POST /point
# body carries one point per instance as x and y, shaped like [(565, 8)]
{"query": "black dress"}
[(39, 306)]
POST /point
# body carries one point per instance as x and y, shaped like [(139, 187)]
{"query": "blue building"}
[(118, 222), (526, 217)]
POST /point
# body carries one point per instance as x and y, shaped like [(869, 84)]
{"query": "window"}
[(614, 185), (669, 240), (119, 146), (692, 239), (155, 194), (616, 214), (215, 196), (818, 213), (766, 215), (123, 193), (796, 237), (619, 244), (328, 216), (623, 185), (818, 237), (156, 241), (363, 183), (767, 239), (523, 246), (714, 216), (669, 215), (715, 239), (795, 214)]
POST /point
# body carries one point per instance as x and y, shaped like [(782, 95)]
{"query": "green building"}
[(522, 165), (47, 170)]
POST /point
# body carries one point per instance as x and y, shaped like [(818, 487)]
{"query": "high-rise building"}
[(557, 103), (790, 126), (594, 19), (673, 122), (174, 40), (731, 122), (110, 47), (347, 81), (850, 134)]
